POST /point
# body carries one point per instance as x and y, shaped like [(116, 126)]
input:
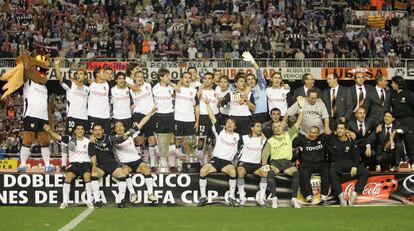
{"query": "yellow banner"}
[(8, 164)]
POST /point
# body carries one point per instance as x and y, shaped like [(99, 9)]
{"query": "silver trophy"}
[(163, 142), (189, 146)]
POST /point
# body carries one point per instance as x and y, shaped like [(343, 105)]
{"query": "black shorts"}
[(106, 123), (134, 164), (32, 124), (260, 117), (184, 128), (219, 164), (242, 124), (165, 123), (249, 167), (78, 169), (126, 122), (71, 124), (108, 168), (204, 127), (149, 128), (282, 165)]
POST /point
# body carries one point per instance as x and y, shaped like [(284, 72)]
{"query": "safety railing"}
[(239, 63)]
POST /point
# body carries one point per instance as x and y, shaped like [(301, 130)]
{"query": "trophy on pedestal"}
[(163, 142), (191, 165)]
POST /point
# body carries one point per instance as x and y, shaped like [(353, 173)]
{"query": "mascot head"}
[(26, 68)]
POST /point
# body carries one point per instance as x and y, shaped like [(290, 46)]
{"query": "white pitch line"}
[(73, 223)]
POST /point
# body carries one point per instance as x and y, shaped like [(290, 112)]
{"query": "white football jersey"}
[(237, 109), (185, 100), (163, 98), (195, 84), (220, 94), (121, 103), (98, 100), (226, 144), (35, 100), (77, 97), (80, 152), (143, 100), (277, 98), (126, 151), (211, 97), (252, 149)]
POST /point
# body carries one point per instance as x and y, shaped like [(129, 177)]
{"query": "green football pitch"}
[(210, 218)]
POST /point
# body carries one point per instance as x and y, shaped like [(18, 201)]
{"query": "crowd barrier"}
[(290, 69), (38, 189)]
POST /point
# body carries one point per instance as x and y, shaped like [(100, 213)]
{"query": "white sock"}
[(95, 189), (172, 156), (145, 155), (89, 194), (149, 182), (203, 187), (232, 186), (240, 187), (24, 155), (138, 148), (66, 190), (152, 155), (129, 185), (263, 187), (46, 155), (121, 190), (64, 158)]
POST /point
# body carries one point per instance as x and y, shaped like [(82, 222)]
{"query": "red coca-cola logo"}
[(377, 187)]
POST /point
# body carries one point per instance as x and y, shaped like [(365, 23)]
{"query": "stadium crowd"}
[(170, 29)]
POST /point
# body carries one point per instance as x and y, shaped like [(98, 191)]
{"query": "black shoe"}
[(232, 202), (63, 168), (98, 204), (202, 201), (122, 205)]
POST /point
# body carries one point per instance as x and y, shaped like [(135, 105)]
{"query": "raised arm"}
[(53, 134), (57, 69), (146, 118), (210, 112), (301, 104)]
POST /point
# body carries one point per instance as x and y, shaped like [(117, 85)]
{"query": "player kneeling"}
[(226, 148), (249, 162), (103, 162), (80, 163), (131, 161)]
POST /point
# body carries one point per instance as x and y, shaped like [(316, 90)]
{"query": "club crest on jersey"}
[(32, 125), (70, 129), (146, 88), (283, 95), (347, 149), (319, 142), (84, 146), (403, 100), (104, 88), (104, 145)]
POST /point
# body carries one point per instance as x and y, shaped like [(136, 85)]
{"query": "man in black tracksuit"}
[(344, 157), (313, 160)]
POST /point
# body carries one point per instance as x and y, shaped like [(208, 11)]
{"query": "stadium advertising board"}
[(182, 189), (288, 73), (349, 73)]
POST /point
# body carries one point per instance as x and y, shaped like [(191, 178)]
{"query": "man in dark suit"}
[(365, 137), (379, 100), (390, 148), (337, 101), (308, 83), (359, 93)]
